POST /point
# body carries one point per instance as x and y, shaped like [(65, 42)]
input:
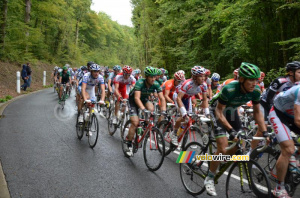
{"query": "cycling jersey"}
[(119, 79), (231, 95), (208, 82), (65, 77), (190, 88), (160, 81), (111, 77), (262, 86), (226, 82), (145, 92), (169, 85), (90, 84)]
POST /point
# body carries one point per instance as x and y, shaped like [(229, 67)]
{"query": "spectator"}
[(24, 77), (29, 71)]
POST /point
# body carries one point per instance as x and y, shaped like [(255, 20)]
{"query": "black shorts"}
[(289, 122), (232, 117), (266, 108), (133, 108)]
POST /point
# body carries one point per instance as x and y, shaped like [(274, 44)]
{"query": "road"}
[(42, 157)]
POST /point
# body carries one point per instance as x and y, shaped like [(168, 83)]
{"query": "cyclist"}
[(89, 65), (208, 82), (169, 86), (137, 74), (86, 88), (261, 82), (54, 75), (166, 76), (215, 82), (111, 78), (64, 78), (285, 117), (182, 97), (232, 96), (278, 85), (139, 99), (121, 81), (159, 76)]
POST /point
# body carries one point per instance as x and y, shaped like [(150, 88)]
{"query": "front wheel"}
[(154, 149), (79, 128), (93, 131), (124, 134), (246, 179)]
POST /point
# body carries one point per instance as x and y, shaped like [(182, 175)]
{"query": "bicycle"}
[(105, 108), (150, 139), (63, 96), (267, 157), (193, 174), (112, 128), (89, 125)]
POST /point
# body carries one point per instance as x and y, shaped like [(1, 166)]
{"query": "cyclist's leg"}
[(60, 90), (286, 143), (149, 106)]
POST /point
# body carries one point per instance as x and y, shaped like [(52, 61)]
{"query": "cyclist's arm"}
[(70, 79), (137, 100), (83, 90), (168, 99), (117, 90), (297, 110), (60, 79), (180, 104), (258, 117), (205, 101), (102, 86), (220, 116), (162, 101), (109, 85)]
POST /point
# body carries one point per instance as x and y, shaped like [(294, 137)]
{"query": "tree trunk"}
[(3, 24), (27, 19), (77, 32), (282, 38)]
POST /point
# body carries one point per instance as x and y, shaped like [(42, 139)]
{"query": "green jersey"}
[(160, 81), (140, 85), (232, 96), (65, 77)]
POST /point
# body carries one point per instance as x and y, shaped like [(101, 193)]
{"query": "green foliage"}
[(2, 100), (274, 73), (218, 34), (66, 31), (8, 97)]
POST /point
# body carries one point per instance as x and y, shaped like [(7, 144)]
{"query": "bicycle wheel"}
[(79, 127), (124, 134), (194, 134), (154, 149), (193, 174), (246, 181), (112, 128), (166, 128), (94, 131)]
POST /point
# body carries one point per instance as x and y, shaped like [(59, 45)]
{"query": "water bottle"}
[(140, 131), (180, 131), (293, 164)]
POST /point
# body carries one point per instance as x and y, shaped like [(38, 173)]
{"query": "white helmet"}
[(215, 77)]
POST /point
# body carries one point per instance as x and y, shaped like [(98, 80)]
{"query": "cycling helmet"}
[(55, 68), (60, 70), (162, 70), (236, 72), (166, 72), (150, 71), (248, 70), (182, 72), (127, 69), (83, 68), (67, 65), (137, 71), (65, 68), (90, 63), (94, 67), (292, 66), (197, 70), (215, 77), (159, 72), (207, 72), (179, 76), (117, 68)]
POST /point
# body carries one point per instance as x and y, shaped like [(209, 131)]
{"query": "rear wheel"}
[(166, 128), (79, 128), (112, 128), (93, 131), (124, 134)]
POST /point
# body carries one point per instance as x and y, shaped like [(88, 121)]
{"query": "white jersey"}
[(90, 81), (190, 88), (285, 101), (119, 79), (208, 82)]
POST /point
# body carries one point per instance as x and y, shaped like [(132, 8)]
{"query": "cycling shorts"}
[(187, 102), (91, 92), (282, 125)]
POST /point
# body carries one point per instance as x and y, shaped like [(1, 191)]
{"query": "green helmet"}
[(166, 72), (150, 71), (65, 68), (158, 72), (248, 70)]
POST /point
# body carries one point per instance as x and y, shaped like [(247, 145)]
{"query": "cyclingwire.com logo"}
[(189, 157)]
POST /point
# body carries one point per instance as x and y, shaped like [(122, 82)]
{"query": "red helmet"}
[(179, 76), (207, 72), (236, 72), (127, 69), (262, 74)]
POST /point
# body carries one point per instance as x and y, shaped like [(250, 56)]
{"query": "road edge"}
[(4, 192)]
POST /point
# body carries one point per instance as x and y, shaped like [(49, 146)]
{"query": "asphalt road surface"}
[(42, 157)]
